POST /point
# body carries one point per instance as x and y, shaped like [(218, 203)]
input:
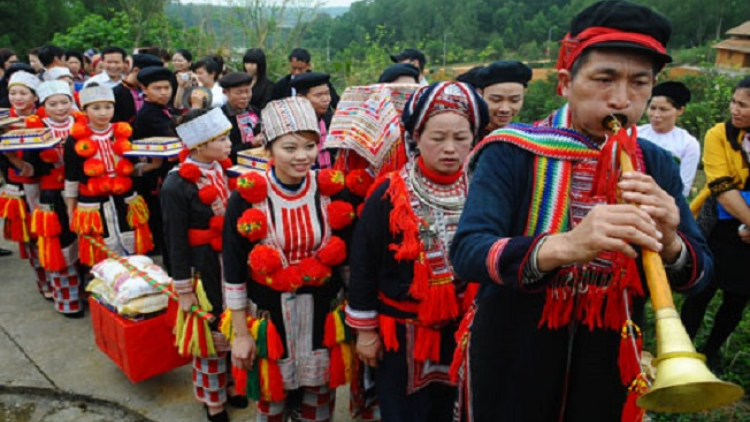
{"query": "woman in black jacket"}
[(255, 64)]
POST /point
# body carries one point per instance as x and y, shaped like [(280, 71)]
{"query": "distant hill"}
[(334, 11)]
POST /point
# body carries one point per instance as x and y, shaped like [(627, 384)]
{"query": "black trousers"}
[(725, 322)]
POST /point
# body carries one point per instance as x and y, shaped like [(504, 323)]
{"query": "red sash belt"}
[(54, 181), (199, 237), (408, 307), (15, 178)]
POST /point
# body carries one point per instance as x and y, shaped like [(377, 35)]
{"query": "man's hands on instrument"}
[(243, 352), (369, 347), (648, 220), (642, 190)]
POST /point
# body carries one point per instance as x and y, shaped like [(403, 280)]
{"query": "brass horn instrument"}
[(683, 383)]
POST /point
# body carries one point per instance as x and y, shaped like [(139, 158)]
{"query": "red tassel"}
[(427, 344), (469, 295), (338, 368), (329, 333), (275, 382), (547, 310), (631, 412), (614, 312), (462, 343), (627, 360), (421, 282), (273, 342), (403, 221), (202, 342), (593, 309), (439, 305), (240, 381), (17, 219), (188, 335), (388, 333)]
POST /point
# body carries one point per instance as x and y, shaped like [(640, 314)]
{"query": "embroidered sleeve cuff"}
[(721, 185), (71, 189), (691, 274), (183, 286), (361, 320), (508, 262), (235, 296), (493, 259), (531, 273), (681, 260)]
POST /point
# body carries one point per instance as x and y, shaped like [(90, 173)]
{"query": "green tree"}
[(31, 23)]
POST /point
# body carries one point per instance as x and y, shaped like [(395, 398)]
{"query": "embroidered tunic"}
[(297, 228), (118, 235), (382, 286), (51, 174), (527, 184), (188, 228)]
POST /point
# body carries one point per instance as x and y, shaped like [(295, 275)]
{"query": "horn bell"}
[(683, 383)]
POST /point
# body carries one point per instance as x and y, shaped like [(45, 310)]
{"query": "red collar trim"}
[(440, 179)]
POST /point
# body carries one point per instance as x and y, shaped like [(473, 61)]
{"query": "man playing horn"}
[(558, 253)]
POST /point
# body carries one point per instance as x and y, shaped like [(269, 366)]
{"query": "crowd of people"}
[(479, 269)]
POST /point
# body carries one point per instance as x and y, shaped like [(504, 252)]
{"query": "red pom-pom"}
[(80, 130), (252, 186), (49, 156), (80, 117), (105, 185), (184, 154), (314, 273), (124, 168), (121, 146), (121, 185), (287, 279), (190, 172), (264, 260), (86, 148), (340, 214), (208, 194), (333, 253), (360, 207), (359, 181), (226, 163), (100, 185), (232, 182), (93, 167), (330, 182), (34, 122), (122, 130), (42, 112), (253, 225)]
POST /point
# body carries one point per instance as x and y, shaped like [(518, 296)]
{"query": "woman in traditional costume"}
[(194, 200), (99, 194), (20, 195), (404, 300), (667, 104), (283, 247), (724, 219), (56, 244)]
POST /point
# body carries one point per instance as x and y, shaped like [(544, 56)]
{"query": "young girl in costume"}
[(404, 299), (283, 247), (98, 192), (50, 222), (194, 199), (20, 195)]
